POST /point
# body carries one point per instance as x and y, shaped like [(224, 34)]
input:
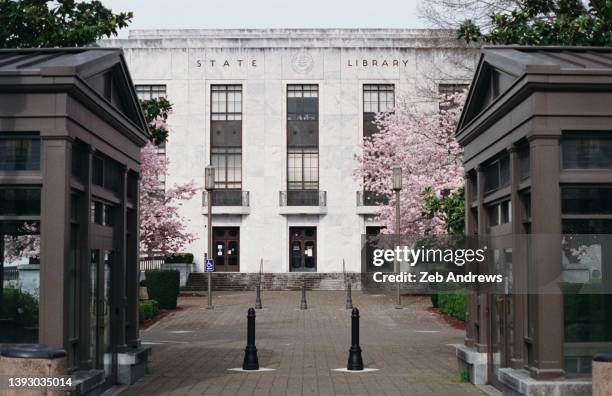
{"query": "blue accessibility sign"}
[(210, 265)]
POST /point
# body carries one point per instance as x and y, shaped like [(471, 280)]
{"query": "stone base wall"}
[(242, 281)]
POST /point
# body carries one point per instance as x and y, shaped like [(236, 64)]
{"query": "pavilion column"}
[(471, 228), (120, 235), (132, 268), (545, 256), (86, 360), (54, 240), (482, 303), (519, 261)]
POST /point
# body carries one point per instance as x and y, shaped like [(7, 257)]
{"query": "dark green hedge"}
[(147, 309), (163, 286), (20, 307), (179, 258), (451, 300)]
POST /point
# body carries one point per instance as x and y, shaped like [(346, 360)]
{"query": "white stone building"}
[(286, 111)]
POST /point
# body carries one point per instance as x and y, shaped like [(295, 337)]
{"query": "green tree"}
[(61, 23), (546, 22), (156, 113), (451, 208)]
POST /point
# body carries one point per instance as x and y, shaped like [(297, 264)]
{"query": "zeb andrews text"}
[(435, 277)]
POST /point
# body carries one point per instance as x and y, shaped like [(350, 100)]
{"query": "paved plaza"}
[(194, 348)]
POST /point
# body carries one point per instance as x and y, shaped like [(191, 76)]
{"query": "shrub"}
[(20, 307), (464, 375), (452, 300), (434, 299), (147, 309), (179, 258), (163, 286)]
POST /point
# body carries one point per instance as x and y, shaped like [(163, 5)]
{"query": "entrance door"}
[(501, 345), (226, 249), (303, 249), (102, 351)]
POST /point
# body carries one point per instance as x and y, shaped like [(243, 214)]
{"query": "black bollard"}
[(258, 297), (355, 361), (250, 353), (303, 304), (349, 296)]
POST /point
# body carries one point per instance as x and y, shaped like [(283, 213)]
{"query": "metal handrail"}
[(303, 198), (227, 198)]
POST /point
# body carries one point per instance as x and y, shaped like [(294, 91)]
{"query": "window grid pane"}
[(228, 167), (378, 98), (150, 91), (303, 169), (226, 102)]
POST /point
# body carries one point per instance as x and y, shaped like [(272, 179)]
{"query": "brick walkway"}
[(193, 348)]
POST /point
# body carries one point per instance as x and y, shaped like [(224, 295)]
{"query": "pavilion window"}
[(586, 150), (19, 152)]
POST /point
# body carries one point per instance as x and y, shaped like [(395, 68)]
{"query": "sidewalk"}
[(193, 348)]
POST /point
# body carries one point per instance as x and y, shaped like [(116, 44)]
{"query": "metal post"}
[(209, 274), (258, 287), (398, 297), (258, 297), (251, 362), (355, 361), (349, 297), (303, 304), (209, 184)]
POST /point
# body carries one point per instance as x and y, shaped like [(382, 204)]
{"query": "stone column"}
[(55, 240), (471, 228), (545, 256), (86, 360), (132, 270), (120, 293), (482, 330), (519, 260)]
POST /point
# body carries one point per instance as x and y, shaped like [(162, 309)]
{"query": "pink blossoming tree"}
[(162, 229), (424, 145)]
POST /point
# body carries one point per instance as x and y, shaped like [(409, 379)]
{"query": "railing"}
[(303, 198), (371, 198), (226, 198), (151, 263), (10, 274)]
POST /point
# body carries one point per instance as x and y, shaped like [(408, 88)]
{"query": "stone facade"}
[(340, 61)]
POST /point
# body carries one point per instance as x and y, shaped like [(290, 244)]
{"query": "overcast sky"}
[(151, 14)]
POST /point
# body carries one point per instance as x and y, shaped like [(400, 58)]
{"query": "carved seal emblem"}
[(302, 62)]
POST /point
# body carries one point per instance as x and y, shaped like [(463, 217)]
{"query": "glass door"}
[(303, 249), (226, 249), (102, 351), (501, 317)]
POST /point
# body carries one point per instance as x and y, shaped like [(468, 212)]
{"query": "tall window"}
[(226, 135), (302, 142), (376, 98)]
